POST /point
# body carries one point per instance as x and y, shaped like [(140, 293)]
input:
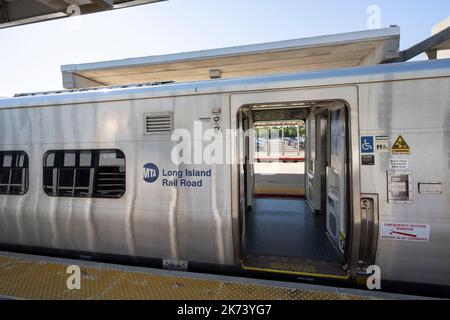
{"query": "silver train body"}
[(202, 225)]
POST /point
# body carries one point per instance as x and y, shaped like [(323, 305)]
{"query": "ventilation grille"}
[(156, 123)]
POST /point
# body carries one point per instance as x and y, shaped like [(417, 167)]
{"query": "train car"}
[(165, 174)]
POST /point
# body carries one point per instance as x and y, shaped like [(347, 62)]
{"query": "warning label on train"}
[(405, 232), (400, 146)]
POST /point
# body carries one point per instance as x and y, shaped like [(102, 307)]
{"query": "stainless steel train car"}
[(94, 173)]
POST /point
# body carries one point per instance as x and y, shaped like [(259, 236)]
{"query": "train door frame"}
[(248, 185), (316, 162), (334, 192), (345, 94)]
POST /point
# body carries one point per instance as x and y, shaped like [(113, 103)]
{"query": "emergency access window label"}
[(405, 232)]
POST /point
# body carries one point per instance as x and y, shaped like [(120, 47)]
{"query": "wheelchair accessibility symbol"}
[(367, 145)]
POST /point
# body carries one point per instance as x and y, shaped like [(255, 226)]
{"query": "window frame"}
[(26, 186), (95, 161)]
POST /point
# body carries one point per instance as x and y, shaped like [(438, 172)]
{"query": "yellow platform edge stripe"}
[(294, 273)]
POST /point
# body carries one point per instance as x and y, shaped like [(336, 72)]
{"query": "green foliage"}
[(289, 131)]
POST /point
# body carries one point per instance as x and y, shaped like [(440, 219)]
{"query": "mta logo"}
[(151, 172)]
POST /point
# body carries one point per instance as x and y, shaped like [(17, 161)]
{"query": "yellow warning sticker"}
[(400, 146)]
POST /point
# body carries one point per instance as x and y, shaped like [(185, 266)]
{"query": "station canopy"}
[(367, 47)]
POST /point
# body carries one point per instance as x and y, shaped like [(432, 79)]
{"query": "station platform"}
[(281, 180), (45, 278)]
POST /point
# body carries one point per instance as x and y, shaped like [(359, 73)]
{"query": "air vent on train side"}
[(157, 123)]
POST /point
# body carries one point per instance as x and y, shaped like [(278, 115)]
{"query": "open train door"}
[(336, 177), (303, 252)]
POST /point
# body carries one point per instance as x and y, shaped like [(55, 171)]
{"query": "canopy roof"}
[(18, 12), (317, 53)]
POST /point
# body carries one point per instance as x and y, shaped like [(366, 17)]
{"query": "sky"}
[(31, 55)]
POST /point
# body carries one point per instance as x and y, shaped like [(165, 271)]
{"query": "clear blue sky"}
[(31, 55)]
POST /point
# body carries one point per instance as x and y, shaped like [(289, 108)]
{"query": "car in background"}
[(260, 143)]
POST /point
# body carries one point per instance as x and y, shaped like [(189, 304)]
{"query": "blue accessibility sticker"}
[(367, 145)]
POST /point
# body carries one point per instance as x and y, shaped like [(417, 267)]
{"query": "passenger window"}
[(13, 172), (85, 173)]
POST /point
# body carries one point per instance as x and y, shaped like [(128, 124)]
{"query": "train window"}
[(13, 172), (85, 173)]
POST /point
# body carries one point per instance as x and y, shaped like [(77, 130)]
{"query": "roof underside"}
[(317, 53), (18, 12)]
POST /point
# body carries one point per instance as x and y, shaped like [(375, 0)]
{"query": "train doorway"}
[(295, 211)]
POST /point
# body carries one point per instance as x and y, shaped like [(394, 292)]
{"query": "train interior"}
[(294, 207)]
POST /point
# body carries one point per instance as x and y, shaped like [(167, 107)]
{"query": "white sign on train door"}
[(417, 232)]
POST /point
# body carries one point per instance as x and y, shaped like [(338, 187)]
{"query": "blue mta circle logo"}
[(151, 172)]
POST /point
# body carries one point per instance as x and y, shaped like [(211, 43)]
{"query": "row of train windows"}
[(74, 173)]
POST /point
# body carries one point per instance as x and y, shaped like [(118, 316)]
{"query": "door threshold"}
[(294, 266)]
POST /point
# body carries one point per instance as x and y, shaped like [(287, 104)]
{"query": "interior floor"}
[(288, 228), (284, 235)]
